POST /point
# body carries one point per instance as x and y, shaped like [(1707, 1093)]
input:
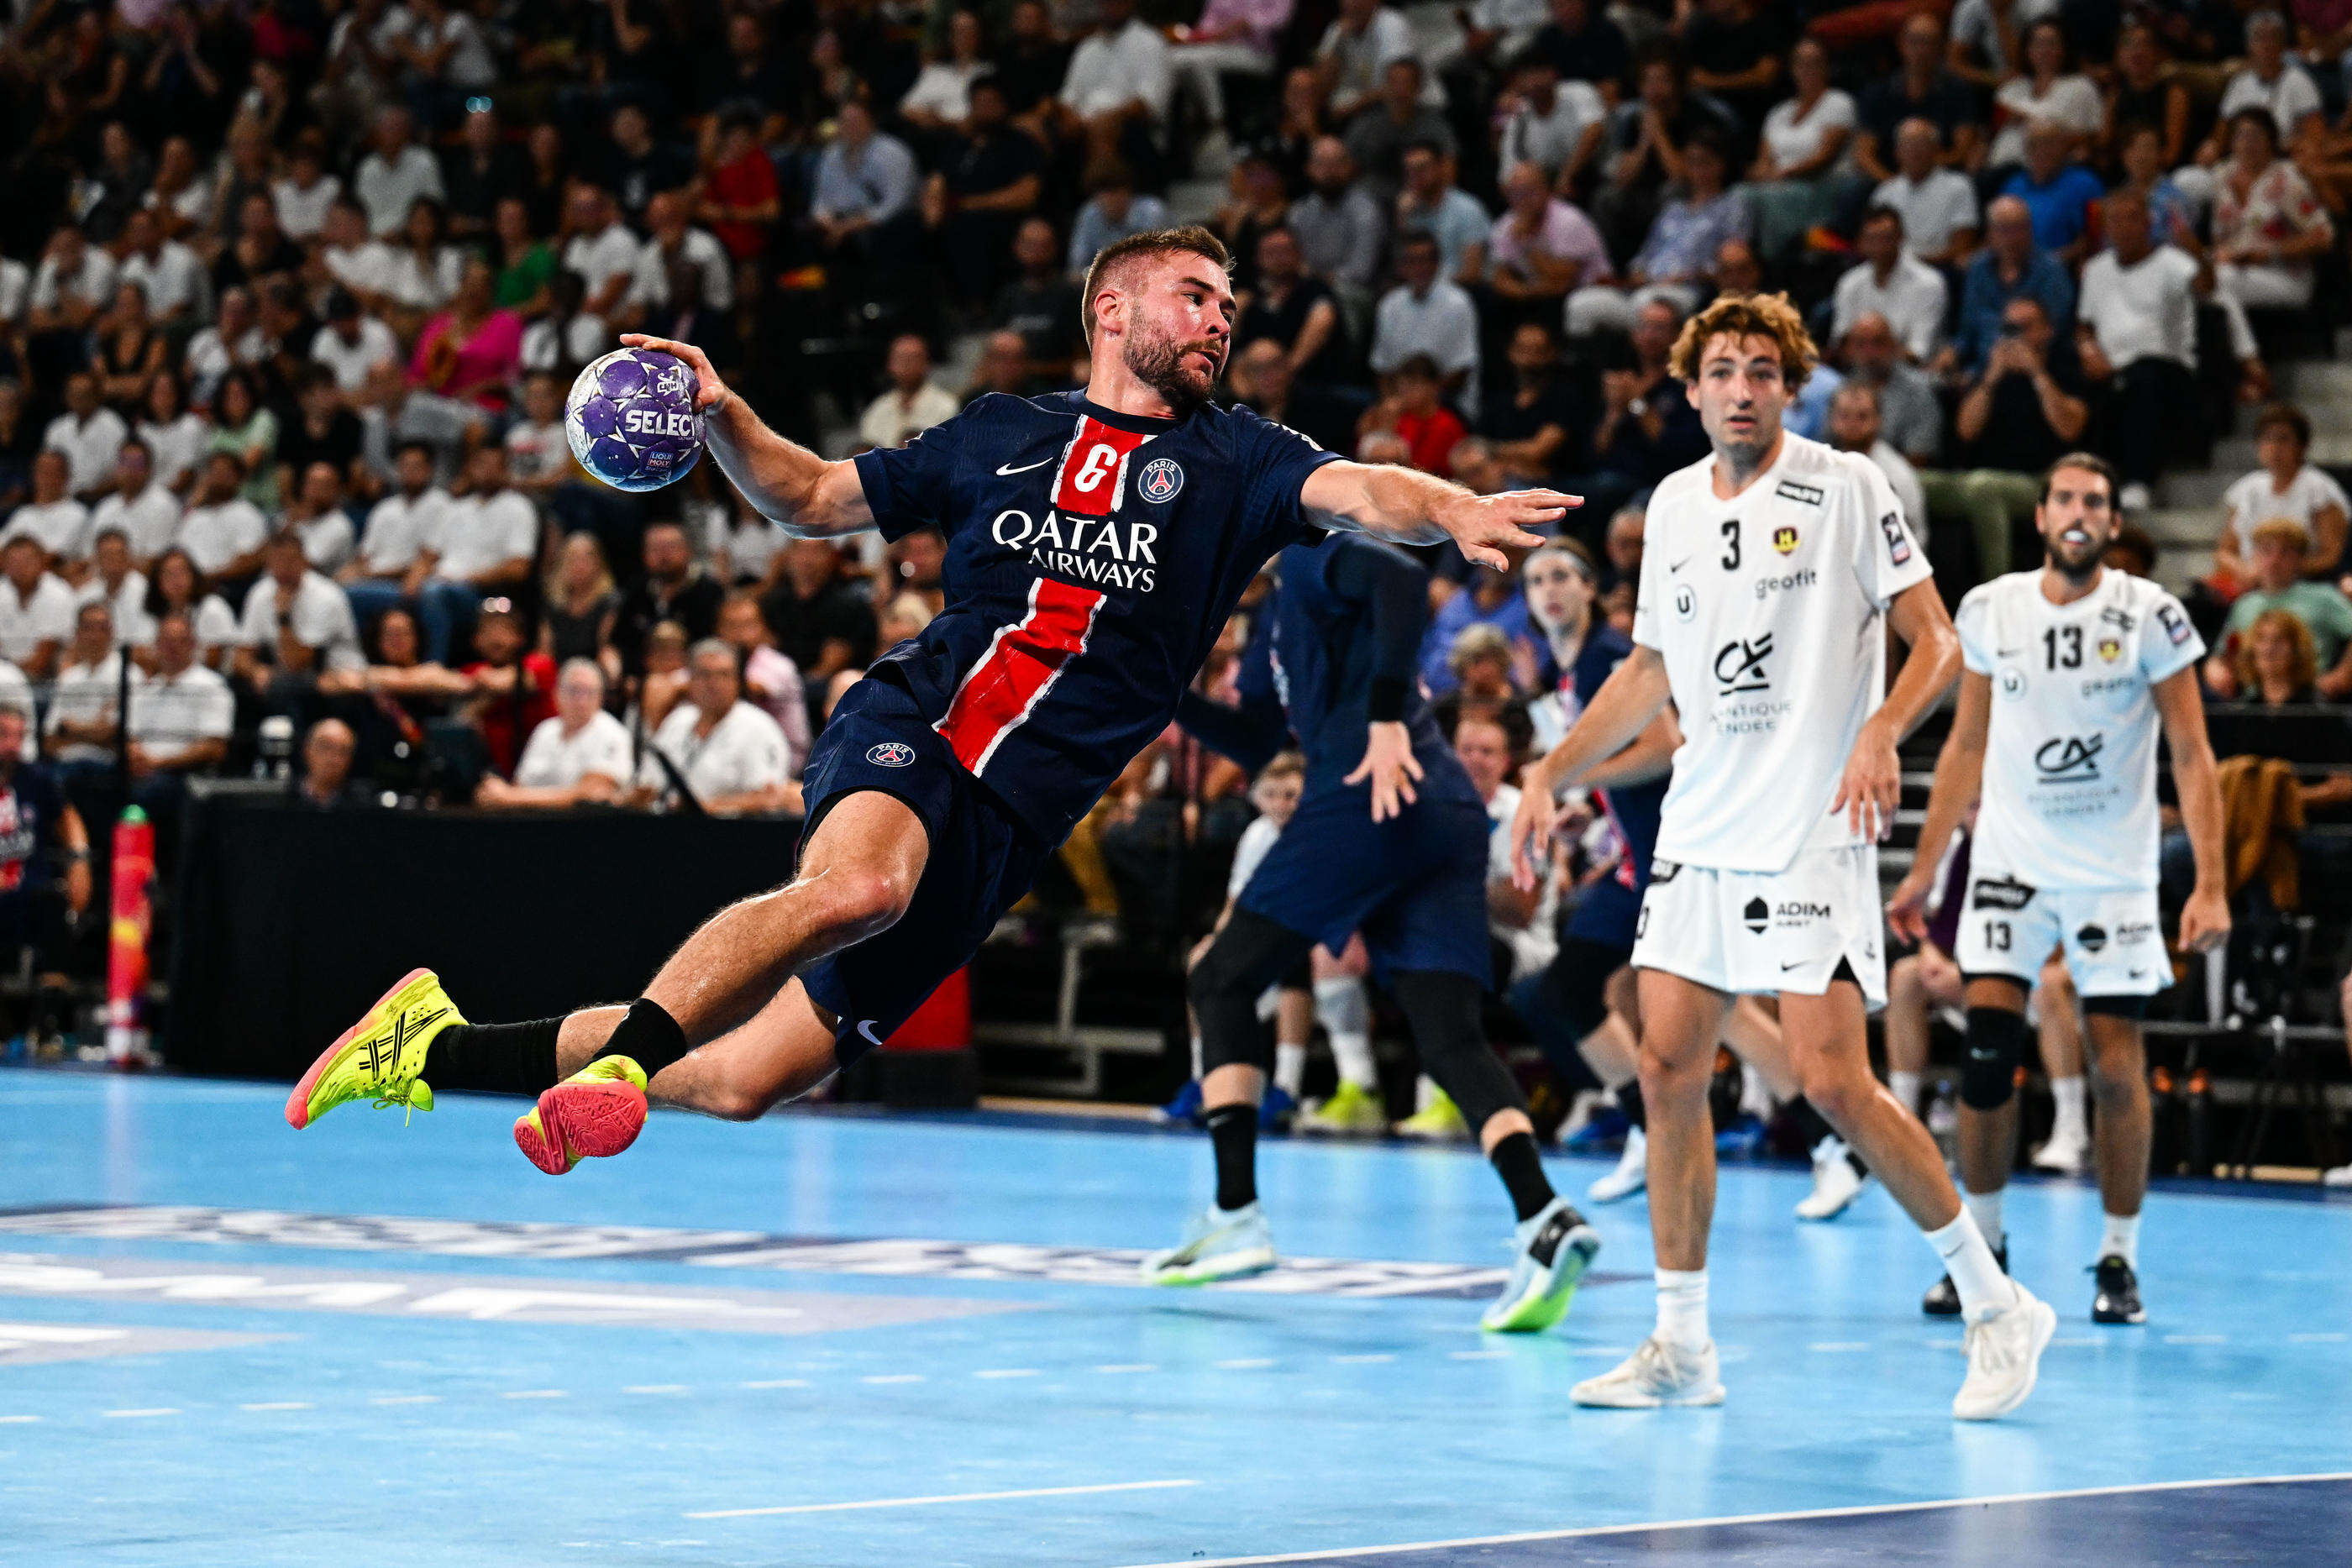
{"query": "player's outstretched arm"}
[(786, 483), (1634, 693), (1959, 778), (1407, 506), (2205, 919), (1873, 781)]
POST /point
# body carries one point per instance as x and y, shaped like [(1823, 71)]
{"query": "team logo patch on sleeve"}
[(2000, 892), (2176, 624), (1161, 479), (890, 754), (1789, 490), (1898, 537)]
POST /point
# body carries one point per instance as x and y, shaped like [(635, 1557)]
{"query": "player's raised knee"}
[(862, 898)]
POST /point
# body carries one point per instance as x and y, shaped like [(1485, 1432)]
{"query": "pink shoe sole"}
[(582, 1121), (298, 1104)]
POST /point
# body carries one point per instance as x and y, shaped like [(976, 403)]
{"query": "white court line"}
[(534, 1393), (924, 1501), (135, 1414), (1792, 1516), (279, 1404), (1008, 1372), (406, 1399), (18, 1420), (1839, 1346), (654, 1389), (893, 1377), (2195, 1339), (1130, 1366), (1363, 1360), (1245, 1363), (779, 1382), (2315, 1338)]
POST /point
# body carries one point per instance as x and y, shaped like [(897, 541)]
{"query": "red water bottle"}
[(132, 913)]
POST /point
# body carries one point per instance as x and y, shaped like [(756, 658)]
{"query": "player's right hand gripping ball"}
[(632, 421)]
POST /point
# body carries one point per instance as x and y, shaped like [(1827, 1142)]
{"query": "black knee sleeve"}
[(1249, 955), (1442, 1009), (1996, 1044)]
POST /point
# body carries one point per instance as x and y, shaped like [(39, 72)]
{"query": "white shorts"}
[(1762, 932), (2114, 944)]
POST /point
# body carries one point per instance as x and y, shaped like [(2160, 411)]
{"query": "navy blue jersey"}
[(1092, 559), (31, 808), (1634, 807), (1317, 652)]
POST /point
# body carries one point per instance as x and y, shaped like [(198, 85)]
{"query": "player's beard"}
[(2078, 568), (1162, 364)]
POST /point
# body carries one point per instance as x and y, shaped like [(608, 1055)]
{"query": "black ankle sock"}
[(1628, 1100), (501, 1058), (1521, 1168), (647, 1035), (1232, 1132)]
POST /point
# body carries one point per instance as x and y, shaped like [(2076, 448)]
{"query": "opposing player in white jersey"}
[(1773, 572), (2068, 670)]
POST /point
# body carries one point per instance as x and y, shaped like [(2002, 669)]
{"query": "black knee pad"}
[(1443, 1011), (1996, 1044), (2132, 1008), (1249, 955)]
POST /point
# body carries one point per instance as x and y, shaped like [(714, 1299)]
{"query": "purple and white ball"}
[(632, 420)]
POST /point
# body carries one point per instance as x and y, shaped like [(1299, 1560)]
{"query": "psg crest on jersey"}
[(1161, 479), (890, 754)]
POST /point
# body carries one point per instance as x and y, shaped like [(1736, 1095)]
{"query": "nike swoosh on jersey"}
[(865, 1028), (1682, 563), (1024, 467)]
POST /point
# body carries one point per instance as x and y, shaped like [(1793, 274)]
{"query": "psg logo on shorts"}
[(1161, 479), (891, 754)]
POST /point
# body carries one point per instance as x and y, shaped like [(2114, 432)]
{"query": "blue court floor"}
[(835, 1339)]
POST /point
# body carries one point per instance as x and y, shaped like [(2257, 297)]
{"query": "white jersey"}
[(2069, 795), (1768, 611)]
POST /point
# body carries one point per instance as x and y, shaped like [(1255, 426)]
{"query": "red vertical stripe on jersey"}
[(1092, 479), (1021, 666)]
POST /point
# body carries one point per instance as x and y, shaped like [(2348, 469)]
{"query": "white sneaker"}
[(1836, 1183), (2068, 1152), (1656, 1373), (1632, 1172), (1216, 1245), (2340, 1176), (2004, 1357)]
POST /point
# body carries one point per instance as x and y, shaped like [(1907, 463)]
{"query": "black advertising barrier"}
[(289, 922)]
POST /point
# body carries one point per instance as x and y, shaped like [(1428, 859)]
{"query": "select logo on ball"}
[(890, 754), (632, 421)]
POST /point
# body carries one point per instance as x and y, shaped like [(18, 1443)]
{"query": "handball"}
[(632, 421)]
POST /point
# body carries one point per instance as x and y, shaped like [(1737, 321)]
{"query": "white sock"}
[(1199, 1070), (1289, 1067), (2121, 1238), (1682, 1308), (1976, 1274), (1984, 1207), (1345, 1015), (2069, 1122), (1424, 1089), (1905, 1086)]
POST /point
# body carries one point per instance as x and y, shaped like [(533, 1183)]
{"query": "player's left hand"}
[(2204, 920), (1390, 764), (1485, 526), (1872, 784)]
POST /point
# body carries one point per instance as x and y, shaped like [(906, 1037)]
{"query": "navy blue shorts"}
[(982, 861), (1415, 885), (1607, 915)]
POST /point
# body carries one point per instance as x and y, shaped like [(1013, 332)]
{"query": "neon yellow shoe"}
[(595, 1114), (380, 1056), (1439, 1121), (1352, 1112)]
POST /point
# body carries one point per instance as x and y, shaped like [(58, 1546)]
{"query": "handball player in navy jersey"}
[(1096, 543), (1399, 857)]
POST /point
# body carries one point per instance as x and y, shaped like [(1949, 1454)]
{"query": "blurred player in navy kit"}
[(1390, 839), (1097, 542)]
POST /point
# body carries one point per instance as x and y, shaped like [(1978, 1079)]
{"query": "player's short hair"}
[(1190, 240), (1747, 315), (2287, 417), (2088, 462), (1286, 765)]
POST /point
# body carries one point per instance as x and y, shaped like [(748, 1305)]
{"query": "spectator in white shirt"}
[(354, 257), (941, 98), (175, 434), (224, 532), (1853, 426), (169, 273), (2270, 79), (1114, 94), (119, 584), (673, 241), (37, 609), (232, 342), (74, 282), (53, 519), (1355, 53), (912, 404), (1553, 124), (1893, 283), (352, 345), (398, 171), (315, 514), (579, 757), (1426, 314), (176, 585), (486, 542), (296, 625), (772, 682), (1940, 217), (398, 528), (600, 249), (91, 435), (732, 756), (306, 193), (181, 715), (2286, 486), (1804, 166), (84, 706), (2135, 332), (139, 507)]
